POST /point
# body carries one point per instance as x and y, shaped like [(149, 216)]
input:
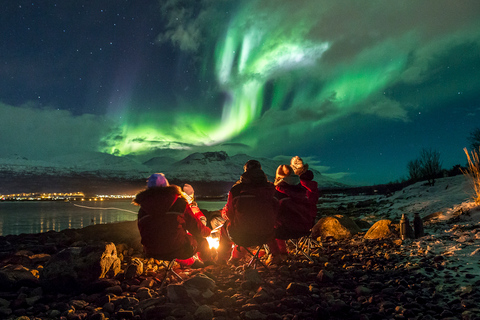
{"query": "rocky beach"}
[(99, 272)]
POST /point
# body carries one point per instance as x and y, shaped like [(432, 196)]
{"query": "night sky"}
[(357, 88)]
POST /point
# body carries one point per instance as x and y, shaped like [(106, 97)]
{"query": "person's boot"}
[(186, 263), (237, 255)]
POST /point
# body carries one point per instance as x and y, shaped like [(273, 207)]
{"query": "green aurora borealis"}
[(356, 87)]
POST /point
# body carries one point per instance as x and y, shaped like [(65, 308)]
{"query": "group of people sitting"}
[(257, 212)]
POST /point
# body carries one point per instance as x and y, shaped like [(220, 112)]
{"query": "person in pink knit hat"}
[(166, 213)]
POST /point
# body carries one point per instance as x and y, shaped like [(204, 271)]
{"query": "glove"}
[(297, 165), (188, 193), (188, 189)]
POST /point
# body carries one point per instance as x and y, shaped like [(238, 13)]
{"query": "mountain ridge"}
[(102, 172)]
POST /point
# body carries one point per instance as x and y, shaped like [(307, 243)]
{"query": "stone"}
[(203, 312), (15, 276), (337, 227), (295, 288), (4, 303), (383, 229), (262, 296), (143, 293), (109, 307), (200, 282), (362, 291), (76, 266), (134, 269), (253, 276), (5, 312), (324, 276), (125, 314), (177, 293), (97, 316), (255, 315), (116, 290)]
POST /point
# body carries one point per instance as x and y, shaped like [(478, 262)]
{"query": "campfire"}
[(214, 239)]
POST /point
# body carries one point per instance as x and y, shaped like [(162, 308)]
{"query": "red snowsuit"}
[(296, 214), (163, 220), (298, 208), (251, 211)]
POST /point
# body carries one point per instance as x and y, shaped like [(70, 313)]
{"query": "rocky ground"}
[(349, 279)]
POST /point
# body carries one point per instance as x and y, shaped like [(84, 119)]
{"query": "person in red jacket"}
[(169, 224), (297, 208), (250, 211), (306, 179)]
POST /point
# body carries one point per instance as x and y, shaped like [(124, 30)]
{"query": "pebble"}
[(350, 279)]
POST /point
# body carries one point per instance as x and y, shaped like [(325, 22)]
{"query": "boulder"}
[(338, 227), (125, 233), (74, 267), (13, 277), (382, 229)]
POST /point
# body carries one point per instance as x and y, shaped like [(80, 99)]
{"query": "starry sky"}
[(356, 88)]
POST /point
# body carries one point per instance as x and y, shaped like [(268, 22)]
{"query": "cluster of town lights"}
[(69, 196)]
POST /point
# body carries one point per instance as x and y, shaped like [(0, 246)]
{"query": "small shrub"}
[(426, 167), (473, 172)]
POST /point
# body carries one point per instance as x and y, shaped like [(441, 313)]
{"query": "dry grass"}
[(473, 172)]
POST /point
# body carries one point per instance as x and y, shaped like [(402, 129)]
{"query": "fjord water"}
[(17, 217)]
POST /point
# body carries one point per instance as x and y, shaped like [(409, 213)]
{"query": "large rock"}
[(125, 232), (382, 229), (338, 227), (76, 266), (13, 277)]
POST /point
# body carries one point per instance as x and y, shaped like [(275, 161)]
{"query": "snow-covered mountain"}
[(218, 166), (209, 167), (99, 164)]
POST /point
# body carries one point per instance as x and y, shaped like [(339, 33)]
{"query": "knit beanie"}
[(157, 180), (282, 172), (298, 166), (251, 164)]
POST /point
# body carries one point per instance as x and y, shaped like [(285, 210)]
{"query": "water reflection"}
[(42, 216)]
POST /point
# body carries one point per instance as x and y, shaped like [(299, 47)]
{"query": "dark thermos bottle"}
[(406, 231), (418, 226)]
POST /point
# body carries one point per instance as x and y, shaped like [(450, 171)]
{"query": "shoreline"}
[(347, 279)]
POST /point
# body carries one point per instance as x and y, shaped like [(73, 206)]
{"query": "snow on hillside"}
[(451, 222), (96, 161), (100, 164), (448, 195)]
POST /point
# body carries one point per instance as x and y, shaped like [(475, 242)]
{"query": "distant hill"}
[(211, 173)]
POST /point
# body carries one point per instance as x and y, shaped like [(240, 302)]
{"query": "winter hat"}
[(254, 176), (251, 164), (283, 170), (298, 166), (157, 180), (284, 173)]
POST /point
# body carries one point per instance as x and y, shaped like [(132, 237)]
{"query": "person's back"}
[(163, 220), (296, 211), (252, 209)]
